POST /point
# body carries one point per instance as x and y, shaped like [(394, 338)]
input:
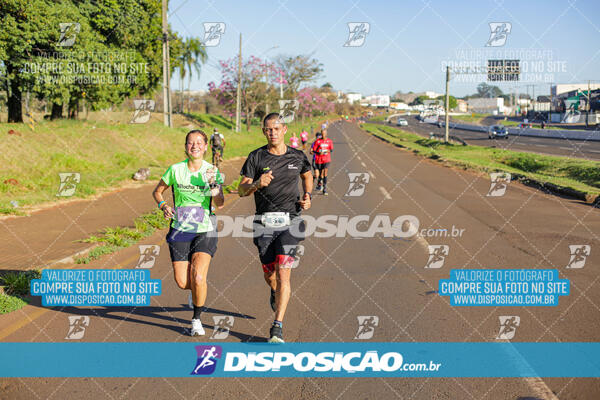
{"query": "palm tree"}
[(194, 55), (180, 65)]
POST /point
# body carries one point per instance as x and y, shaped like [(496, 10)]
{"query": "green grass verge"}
[(472, 118), (16, 286), (17, 283), (112, 239), (581, 175), (104, 153), (10, 303)]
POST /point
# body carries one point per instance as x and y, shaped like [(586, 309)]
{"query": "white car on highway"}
[(401, 122), (497, 131)]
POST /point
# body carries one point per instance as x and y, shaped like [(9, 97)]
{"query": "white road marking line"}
[(363, 164), (385, 193), (565, 148), (372, 175), (593, 151), (532, 379)]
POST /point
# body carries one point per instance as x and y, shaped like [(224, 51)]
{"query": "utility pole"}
[(533, 94), (281, 85), (587, 108), (166, 67), (238, 103), (447, 117)]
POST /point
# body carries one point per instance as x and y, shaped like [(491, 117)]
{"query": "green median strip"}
[(577, 177), (113, 239)]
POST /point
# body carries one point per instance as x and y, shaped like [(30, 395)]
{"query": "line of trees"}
[(96, 52), (262, 81)]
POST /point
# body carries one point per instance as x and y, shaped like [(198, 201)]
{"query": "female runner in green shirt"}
[(192, 237)]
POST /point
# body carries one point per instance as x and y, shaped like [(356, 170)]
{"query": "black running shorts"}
[(182, 248), (278, 241)]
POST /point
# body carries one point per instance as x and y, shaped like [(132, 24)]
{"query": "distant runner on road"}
[(217, 144), (192, 239), (294, 141), (314, 156), (272, 173), (322, 148), (304, 138)]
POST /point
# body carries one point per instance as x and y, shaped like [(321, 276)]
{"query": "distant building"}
[(399, 106), (353, 97), (377, 100), (557, 90), (485, 105), (461, 105), (431, 94)]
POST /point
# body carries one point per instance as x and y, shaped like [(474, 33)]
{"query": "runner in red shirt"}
[(322, 148)]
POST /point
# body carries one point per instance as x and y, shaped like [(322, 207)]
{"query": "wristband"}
[(309, 194), (161, 204)]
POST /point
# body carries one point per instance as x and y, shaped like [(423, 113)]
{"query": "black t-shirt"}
[(282, 194)]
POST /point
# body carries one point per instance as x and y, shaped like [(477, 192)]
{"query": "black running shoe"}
[(318, 187), (276, 334), (325, 192), (273, 302)]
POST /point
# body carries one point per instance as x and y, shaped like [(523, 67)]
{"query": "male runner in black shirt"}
[(271, 172)]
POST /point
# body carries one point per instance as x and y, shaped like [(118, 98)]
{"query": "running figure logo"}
[(499, 183), (358, 33), (437, 255), (579, 253), (68, 33), (358, 183), (223, 323), (498, 34), (68, 183), (508, 327), (77, 325), (148, 255), (212, 33), (366, 326), (287, 110), (207, 359), (295, 252), (572, 113), (143, 108)]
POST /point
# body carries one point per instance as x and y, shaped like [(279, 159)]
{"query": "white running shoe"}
[(190, 301), (197, 329)]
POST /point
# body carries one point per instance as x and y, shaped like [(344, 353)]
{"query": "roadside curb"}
[(546, 187)]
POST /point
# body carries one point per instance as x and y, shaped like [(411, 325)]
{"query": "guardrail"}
[(546, 133)]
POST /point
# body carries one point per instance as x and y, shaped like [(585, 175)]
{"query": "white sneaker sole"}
[(275, 339), (198, 333)]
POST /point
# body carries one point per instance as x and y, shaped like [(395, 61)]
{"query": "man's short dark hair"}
[(271, 116)]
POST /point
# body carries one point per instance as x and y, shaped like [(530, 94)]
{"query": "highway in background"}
[(589, 150)]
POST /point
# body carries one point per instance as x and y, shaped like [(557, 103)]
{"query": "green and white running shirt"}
[(192, 196)]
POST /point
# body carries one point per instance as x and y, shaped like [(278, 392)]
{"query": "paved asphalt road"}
[(589, 150), (341, 278)]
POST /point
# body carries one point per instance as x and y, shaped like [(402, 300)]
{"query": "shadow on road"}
[(160, 316)]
